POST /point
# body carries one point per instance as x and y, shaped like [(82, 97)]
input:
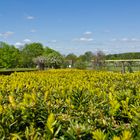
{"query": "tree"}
[(29, 52), (9, 55), (48, 51), (71, 59), (40, 62), (130, 55), (80, 64), (54, 60), (88, 56), (99, 60)]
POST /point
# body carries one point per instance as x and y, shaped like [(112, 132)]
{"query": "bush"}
[(80, 65)]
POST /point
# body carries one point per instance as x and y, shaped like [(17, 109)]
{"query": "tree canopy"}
[(29, 52), (9, 56), (35, 54), (130, 55)]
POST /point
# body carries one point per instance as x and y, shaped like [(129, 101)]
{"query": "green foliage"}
[(9, 56), (71, 59), (88, 56), (33, 49), (48, 51), (80, 64), (131, 55), (29, 52)]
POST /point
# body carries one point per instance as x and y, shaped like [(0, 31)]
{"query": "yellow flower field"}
[(70, 105)]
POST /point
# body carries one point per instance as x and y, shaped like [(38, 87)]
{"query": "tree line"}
[(130, 55), (36, 55)]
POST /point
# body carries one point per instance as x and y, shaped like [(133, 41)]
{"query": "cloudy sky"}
[(72, 26)]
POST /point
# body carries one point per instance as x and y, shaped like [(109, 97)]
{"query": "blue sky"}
[(72, 26)]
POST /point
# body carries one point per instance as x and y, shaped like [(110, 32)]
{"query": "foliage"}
[(99, 59), (71, 59), (88, 56), (70, 104), (80, 64), (29, 52), (54, 60), (48, 51), (130, 55), (9, 56), (40, 62), (99, 135)]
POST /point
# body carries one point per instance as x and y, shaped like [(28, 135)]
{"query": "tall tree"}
[(40, 62), (99, 60), (71, 59), (87, 56), (48, 51), (54, 60), (29, 52), (9, 55)]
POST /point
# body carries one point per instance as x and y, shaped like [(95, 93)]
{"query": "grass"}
[(17, 69), (4, 71)]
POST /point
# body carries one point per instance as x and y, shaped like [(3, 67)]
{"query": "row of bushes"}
[(70, 105)]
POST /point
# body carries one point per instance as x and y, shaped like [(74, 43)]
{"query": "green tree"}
[(9, 55), (48, 51), (86, 59), (29, 52), (130, 55), (80, 64), (87, 56), (71, 59)]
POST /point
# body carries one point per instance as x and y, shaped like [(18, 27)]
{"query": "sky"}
[(72, 26)]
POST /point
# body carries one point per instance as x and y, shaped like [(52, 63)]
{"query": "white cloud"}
[(83, 39), (125, 39), (86, 39), (130, 40), (30, 17), (27, 40), (135, 39), (19, 44), (22, 43), (6, 34), (87, 33)]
